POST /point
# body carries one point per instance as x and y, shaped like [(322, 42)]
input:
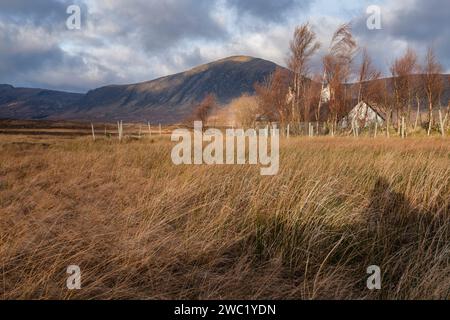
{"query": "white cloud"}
[(125, 41)]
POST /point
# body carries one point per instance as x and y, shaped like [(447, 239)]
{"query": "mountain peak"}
[(168, 99), (232, 59), (237, 59)]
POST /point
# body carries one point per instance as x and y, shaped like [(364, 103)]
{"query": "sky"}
[(130, 41)]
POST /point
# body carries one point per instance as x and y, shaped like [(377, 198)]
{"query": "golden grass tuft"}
[(142, 228)]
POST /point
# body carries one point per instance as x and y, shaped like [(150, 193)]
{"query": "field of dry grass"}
[(140, 227)]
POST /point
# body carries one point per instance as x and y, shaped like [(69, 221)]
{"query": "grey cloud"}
[(157, 28), (17, 57), (135, 40), (268, 9), (159, 25), (30, 57), (422, 24), (45, 13), (422, 21)]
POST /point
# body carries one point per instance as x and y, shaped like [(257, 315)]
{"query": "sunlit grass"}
[(140, 227)]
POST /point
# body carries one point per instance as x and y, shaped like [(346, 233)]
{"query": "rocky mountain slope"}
[(169, 99), (165, 100)]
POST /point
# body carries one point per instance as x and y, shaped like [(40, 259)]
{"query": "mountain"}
[(25, 103), (165, 100), (172, 98)]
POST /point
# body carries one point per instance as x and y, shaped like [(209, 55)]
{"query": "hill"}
[(26, 103), (165, 100), (172, 98)]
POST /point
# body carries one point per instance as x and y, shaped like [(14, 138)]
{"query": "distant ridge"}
[(165, 100), (27, 103), (168, 99)]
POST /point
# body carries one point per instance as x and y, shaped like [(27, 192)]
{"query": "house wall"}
[(363, 116)]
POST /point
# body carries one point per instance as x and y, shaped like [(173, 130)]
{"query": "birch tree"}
[(367, 81), (302, 47), (432, 82), (403, 70), (205, 108), (272, 96), (337, 70)]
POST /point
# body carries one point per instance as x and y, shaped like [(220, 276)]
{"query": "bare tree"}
[(403, 70), (272, 96), (368, 87), (337, 70), (432, 81), (244, 110), (367, 73), (302, 47), (205, 108), (382, 97), (315, 96), (418, 96), (447, 115)]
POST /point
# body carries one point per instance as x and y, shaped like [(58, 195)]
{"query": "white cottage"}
[(363, 115)]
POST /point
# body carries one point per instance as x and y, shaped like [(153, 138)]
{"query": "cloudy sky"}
[(128, 41)]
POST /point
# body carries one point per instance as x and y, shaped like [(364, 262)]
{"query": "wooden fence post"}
[(403, 128), (120, 129), (93, 131)]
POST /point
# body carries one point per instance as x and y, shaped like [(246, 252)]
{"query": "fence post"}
[(93, 131), (403, 127), (149, 129), (120, 129), (160, 130)]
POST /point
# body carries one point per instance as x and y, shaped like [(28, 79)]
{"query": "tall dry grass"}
[(142, 228)]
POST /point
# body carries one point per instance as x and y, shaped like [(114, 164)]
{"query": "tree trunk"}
[(417, 114), (320, 97), (441, 122), (430, 118), (403, 128), (388, 120)]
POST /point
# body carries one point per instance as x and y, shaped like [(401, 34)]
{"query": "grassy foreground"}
[(141, 228)]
